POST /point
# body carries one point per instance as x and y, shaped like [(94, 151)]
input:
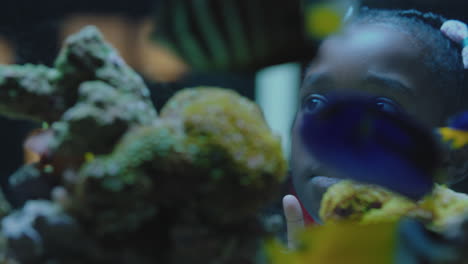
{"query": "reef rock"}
[(123, 185)]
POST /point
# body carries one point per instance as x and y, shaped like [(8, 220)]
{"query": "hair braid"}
[(431, 19)]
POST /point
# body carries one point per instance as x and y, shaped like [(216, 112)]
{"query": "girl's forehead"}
[(364, 47), (373, 39)]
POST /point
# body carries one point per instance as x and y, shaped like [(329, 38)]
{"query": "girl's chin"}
[(318, 186), (322, 183)]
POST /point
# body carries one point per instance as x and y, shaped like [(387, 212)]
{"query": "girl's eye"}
[(387, 105), (313, 103)]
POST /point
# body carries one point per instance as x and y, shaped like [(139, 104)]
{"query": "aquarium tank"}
[(233, 131)]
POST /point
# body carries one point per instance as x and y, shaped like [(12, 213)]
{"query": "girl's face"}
[(375, 59)]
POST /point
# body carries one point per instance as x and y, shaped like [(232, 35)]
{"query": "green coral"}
[(215, 148), (203, 168), (109, 96), (28, 92), (99, 118), (116, 192), (86, 56), (44, 94)]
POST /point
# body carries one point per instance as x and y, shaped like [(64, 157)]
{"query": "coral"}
[(447, 207), (41, 93), (86, 56), (202, 167), (226, 135), (126, 186), (365, 204), (219, 117), (28, 92), (116, 193), (39, 229), (31, 181), (100, 117), (347, 200)]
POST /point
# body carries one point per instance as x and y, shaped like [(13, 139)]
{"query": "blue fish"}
[(354, 138), (459, 121)]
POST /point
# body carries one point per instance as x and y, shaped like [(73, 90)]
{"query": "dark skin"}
[(376, 59)]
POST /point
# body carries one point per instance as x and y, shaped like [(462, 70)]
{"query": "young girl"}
[(401, 57)]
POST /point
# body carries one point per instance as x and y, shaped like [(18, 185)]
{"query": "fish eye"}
[(313, 103), (387, 105)]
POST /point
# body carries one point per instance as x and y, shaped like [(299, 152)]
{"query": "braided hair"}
[(442, 57)]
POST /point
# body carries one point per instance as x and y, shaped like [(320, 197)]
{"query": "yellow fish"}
[(456, 132), (457, 138), (327, 17), (339, 243)]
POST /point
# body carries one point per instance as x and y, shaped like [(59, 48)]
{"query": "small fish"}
[(323, 18), (339, 243), (456, 133), (353, 138), (405, 241)]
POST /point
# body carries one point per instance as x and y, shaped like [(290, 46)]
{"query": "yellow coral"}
[(222, 119), (348, 200), (447, 206), (226, 139), (366, 204)]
